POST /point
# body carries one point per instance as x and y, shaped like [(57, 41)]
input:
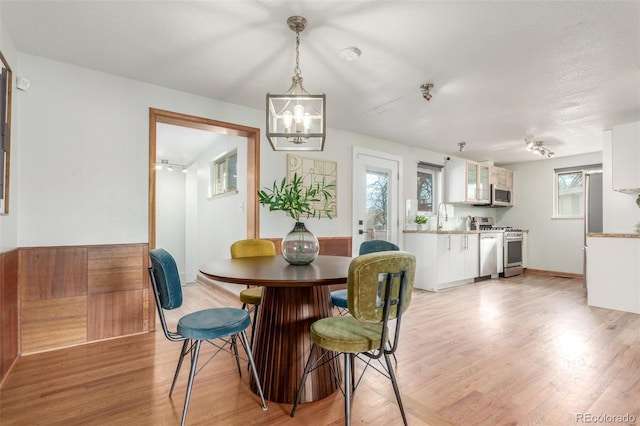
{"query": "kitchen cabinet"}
[(501, 177), (467, 182), (424, 248), (444, 259), (612, 273), (625, 157), (458, 258)]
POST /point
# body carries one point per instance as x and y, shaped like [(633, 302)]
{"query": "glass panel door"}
[(376, 197)]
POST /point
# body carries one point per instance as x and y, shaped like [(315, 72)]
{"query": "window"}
[(5, 129), (377, 202), (223, 174), (427, 194), (569, 191)]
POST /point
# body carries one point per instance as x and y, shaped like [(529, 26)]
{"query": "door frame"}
[(252, 136), (355, 190)]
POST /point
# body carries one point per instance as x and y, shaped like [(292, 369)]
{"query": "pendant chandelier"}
[(296, 119)]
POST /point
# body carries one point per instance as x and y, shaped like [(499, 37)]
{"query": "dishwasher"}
[(488, 255)]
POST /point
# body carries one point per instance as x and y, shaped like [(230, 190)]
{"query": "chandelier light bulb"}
[(306, 122), (298, 113), (287, 118)]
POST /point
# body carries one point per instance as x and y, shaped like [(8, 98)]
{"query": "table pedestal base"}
[(282, 343)]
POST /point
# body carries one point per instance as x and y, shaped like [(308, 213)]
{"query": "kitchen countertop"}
[(608, 235), (453, 231)]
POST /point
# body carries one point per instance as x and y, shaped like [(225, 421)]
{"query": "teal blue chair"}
[(218, 326), (379, 286), (339, 297)]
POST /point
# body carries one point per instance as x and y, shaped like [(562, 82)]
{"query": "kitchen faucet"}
[(446, 217)]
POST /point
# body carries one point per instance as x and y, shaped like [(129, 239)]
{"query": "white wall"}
[(221, 220), (9, 222), (553, 244), (83, 141), (170, 215), (84, 144)]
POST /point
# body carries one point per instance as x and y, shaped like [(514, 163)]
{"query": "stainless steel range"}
[(512, 252), (512, 245)]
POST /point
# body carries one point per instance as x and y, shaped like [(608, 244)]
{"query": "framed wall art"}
[(313, 171)]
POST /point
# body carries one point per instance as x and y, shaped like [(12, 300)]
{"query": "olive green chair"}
[(339, 297), (252, 296), (379, 289)]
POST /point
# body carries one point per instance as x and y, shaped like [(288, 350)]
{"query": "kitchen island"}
[(613, 271)]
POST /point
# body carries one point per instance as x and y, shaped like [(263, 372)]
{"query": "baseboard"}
[(552, 273)]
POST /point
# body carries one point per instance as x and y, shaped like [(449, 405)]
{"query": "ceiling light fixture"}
[(425, 90), (166, 165), (350, 54), (537, 147), (462, 145), (296, 120)]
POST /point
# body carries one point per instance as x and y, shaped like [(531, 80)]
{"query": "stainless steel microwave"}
[(500, 196)]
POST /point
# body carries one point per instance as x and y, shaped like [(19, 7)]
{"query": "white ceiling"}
[(556, 71)]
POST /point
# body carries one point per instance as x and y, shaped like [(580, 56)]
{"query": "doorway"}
[(376, 197), (248, 136)]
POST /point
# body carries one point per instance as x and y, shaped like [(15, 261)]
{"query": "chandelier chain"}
[(296, 70)]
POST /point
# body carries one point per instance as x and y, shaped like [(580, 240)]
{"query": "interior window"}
[(569, 191), (427, 188), (223, 174)]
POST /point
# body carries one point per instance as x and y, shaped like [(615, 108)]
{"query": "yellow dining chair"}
[(252, 296), (379, 290)]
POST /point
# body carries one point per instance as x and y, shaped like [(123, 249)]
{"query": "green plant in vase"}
[(299, 247), (420, 220)]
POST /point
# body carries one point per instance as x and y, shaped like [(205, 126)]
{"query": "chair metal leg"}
[(183, 352), (348, 387), (234, 348), (247, 348), (394, 381), (307, 369), (253, 324), (192, 374)]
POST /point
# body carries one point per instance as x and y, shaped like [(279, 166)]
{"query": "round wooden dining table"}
[(293, 298)]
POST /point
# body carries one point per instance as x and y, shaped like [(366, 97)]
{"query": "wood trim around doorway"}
[(253, 161)]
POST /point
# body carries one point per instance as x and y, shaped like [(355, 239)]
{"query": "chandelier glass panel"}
[(296, 119)]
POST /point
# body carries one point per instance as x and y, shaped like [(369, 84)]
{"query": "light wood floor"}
[(523, 350)]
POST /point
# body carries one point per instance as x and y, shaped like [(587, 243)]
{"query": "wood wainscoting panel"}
[(117, 268), (116, 314), (52, 272), (8, 311), (335, 246), (53, 323), (329, 246)]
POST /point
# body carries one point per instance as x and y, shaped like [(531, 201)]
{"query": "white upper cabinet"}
[(501, 177), (626, 158), (467, 182)]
